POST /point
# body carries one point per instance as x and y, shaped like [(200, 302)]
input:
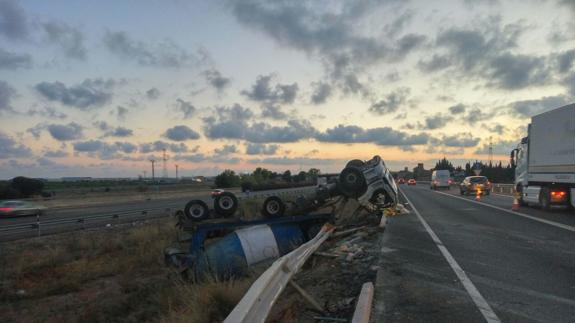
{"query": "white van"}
[(440, 179)]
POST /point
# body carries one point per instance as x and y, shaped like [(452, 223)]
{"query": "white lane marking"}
[(509, 196), (555, 224), (479, 301)]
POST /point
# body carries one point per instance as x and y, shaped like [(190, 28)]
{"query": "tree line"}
[(496, 172), (262, 178)]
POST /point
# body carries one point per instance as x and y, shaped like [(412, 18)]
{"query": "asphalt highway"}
[(453, 259)]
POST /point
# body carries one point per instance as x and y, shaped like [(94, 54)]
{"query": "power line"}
[(153, 161), (165, 164), (490, 151)]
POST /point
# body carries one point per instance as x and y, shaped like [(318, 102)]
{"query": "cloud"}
[(273, 112), (104, 150), (153, 93), (460, 140), (529, 108), (216, 80), (324, 32), (263, 91), (383, 136), (225, 150), (457, 109), (71, 131), (476, 114), (186, 108), (119, 132), (391, 102), (159, 145), (569, 82), (13, 61), (164, 54), (181, 133), (69, 39), (47, 112), (565, 61), (120, 113), (399, 23), (297, 161), (7, 93), (436, 121), (88, 94), (517, 71), (56, 154), (436, 63), (321, 92), (9, 148), (485, 53), (233, 123), (261, 149), (13, 21)]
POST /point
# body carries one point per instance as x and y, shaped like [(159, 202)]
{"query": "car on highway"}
[(20, 208), (401, 181), (440, 179), (412, 182), (475, 184), (217, 192)]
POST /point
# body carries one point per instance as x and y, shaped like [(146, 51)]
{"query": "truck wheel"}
[(519, 190), (226, 204), (273, 207), (196, 210), (352, 182), (544, 199), (461, 192), (355, 163)]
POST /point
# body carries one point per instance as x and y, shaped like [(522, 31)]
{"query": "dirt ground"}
[(118, 275)]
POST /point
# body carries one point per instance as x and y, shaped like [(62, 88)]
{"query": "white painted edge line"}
[(479, 301), (509, 196), (555, 224)]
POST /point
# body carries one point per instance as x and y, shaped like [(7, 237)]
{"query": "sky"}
[(99, 88)]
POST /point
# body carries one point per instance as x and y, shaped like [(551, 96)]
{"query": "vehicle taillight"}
[(558, 194), (6, 209)]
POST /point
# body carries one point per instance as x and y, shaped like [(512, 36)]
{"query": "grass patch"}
[(108, 275)]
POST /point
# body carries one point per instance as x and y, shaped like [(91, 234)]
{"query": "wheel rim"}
[(226, 203), (196, 211), (351, 178), (273, 207)]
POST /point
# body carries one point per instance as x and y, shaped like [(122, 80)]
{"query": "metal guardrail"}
[(503, 188), (258, 301), (39, 226)]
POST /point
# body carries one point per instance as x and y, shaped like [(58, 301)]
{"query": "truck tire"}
[(352, 182), (519, 190), (273, 207), (226, 204), (544, 199), (196, 210), (355, 163)]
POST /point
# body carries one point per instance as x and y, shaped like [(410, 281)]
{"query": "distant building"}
[(420, 173), (405, 173)]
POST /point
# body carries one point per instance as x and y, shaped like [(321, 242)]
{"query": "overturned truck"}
[(227, 248)]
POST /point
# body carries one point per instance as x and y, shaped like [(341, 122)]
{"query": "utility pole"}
[(165, 164), (176, 172), (153, 161), (490, 152)]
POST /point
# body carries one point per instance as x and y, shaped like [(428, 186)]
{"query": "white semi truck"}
[(545, 160)]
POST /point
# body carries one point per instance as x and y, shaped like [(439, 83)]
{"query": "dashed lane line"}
[(477, 298)]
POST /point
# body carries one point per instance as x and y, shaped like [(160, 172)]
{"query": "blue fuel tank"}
[(232, 255)]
